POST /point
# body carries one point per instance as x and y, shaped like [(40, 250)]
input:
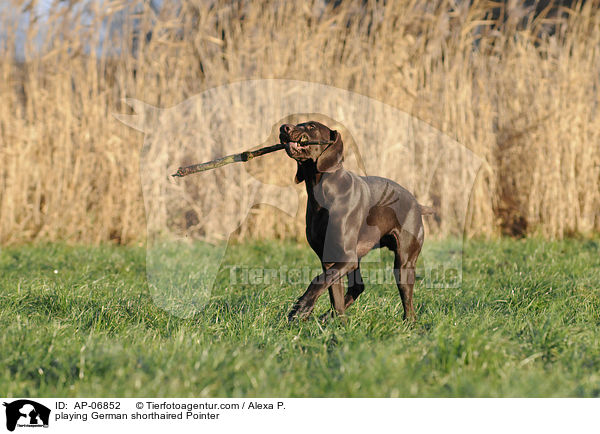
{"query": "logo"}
[(211, 206), (26, 413)]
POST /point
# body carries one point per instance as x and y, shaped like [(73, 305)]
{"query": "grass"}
[(80, 321)]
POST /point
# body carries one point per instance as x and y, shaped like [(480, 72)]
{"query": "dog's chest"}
[(316, 228)]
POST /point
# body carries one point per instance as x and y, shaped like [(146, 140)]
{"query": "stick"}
[(234, 158)]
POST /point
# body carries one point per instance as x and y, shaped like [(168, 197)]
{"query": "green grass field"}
[(526, 322)]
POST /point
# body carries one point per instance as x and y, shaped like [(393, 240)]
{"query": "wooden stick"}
[(234, 158)]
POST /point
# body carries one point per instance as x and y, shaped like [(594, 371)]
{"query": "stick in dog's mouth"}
[(242, 157)]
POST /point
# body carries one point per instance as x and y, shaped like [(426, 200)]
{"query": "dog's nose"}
[(286, 128)]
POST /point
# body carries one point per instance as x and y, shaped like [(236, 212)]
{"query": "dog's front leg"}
[(305, 304)]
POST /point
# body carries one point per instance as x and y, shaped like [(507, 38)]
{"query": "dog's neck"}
[(313, 180)]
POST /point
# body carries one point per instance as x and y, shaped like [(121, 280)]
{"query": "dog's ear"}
[(332, 157), (299, 174)]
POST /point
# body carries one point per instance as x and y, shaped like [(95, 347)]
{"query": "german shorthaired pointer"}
[(348, 215)]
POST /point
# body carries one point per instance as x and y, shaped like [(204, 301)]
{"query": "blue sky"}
[(20, 17)]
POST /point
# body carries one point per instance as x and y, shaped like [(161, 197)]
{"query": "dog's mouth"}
[(293, 145)]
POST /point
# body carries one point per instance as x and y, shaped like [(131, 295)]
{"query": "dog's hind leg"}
[(404, 274), (405, 260)]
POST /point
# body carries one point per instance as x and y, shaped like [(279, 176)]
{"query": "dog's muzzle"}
[(293, 147)]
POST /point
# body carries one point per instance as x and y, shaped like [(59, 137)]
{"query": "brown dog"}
[(348, 215)]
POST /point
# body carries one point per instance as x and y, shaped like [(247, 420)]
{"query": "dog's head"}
[(327, 157)]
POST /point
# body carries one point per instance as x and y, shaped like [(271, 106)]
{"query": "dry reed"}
[(520, 90)]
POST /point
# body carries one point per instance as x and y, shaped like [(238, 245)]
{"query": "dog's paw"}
[(410, 319), (292, 316), (333, 316), (299, 311)]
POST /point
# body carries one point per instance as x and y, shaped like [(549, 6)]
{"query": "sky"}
[(19, 16)]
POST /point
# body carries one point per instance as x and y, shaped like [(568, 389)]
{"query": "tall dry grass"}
[(519, 89)]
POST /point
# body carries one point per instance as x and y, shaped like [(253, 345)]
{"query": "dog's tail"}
[(426, 210)]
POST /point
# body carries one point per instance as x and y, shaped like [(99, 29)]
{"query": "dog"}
[(347, 216)]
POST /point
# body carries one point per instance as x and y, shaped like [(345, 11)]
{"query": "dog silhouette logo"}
[(26, 413), (190, 220)]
